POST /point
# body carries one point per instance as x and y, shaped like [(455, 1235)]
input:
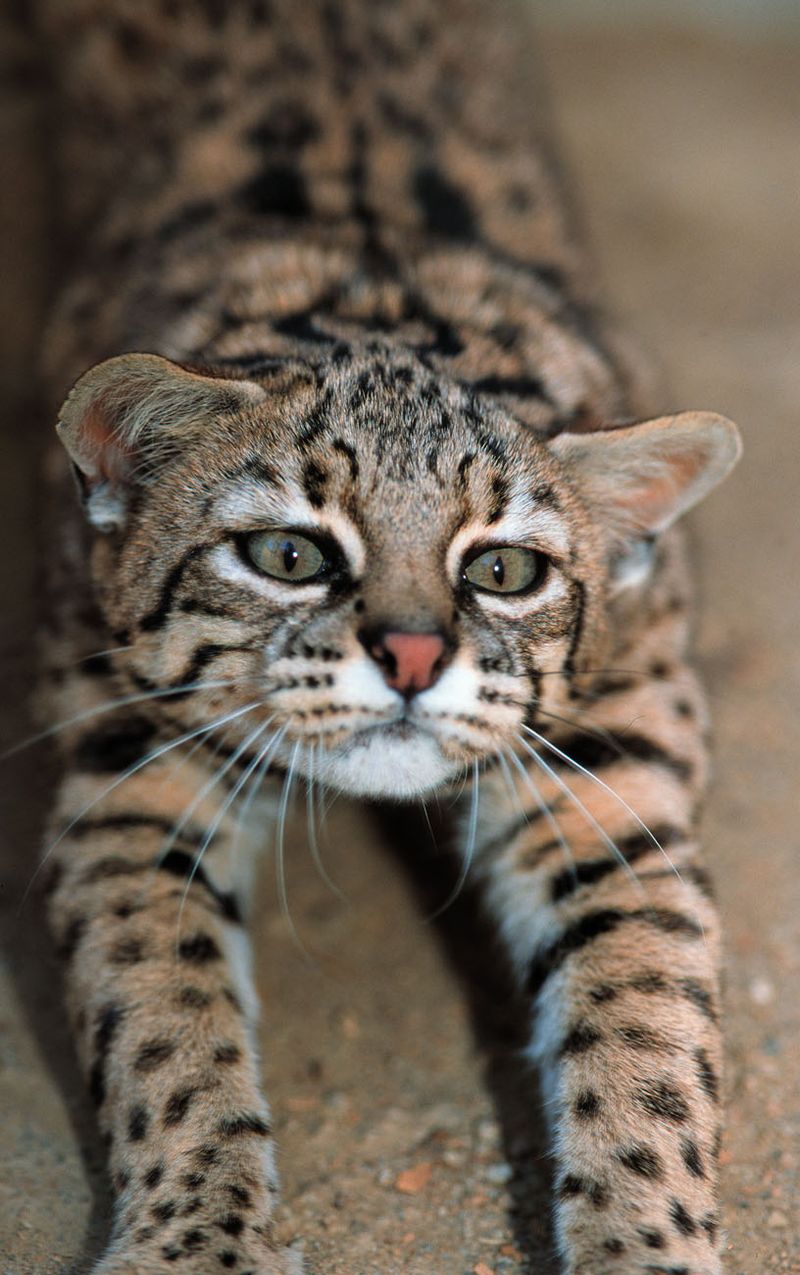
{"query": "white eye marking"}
[(229, 566), (248, 506)]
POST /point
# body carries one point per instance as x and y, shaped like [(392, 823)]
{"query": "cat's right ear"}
[(126, 415)]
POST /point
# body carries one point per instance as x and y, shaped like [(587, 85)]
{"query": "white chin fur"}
[(371, 766)]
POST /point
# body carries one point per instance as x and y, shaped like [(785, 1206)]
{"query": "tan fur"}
[(337, 235)]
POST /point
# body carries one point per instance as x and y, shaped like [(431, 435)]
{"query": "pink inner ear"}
[(102, 441), (654, 500)]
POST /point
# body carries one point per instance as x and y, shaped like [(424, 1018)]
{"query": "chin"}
[(391, 763)]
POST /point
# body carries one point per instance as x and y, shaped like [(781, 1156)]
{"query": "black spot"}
[(194, 997), (239, 1194), (121, 1180), (193, 1240), (690, 1154), (178, 1104), (97, 666), (113, 746), (127, 952), (595, 753), (153, 1176), (164, 1211), (232, 1224), (227, 1053), (108, 1021), (579, 1039), (72, 936), (188, 218), (683, 1220), (207, 1154), (519, 386), (653, 1239), (152, 1054), (587, 1104), (138, 1120), (191, 1206), (570, 1186), (228, 1258), (649, 982), (246, 1122), (445, 209), (171, 1252), (613, 1246), (707, 1074), (285, 124), (603, 992), (662, 1099), (199, 949), (641, 1160), (277, 189), (683, 708), (639, 1037), (710, 1226), (314, 480), (699, 996), (109, 867), (193, 1180)]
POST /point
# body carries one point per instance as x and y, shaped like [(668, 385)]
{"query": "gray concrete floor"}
[(386, 1052)]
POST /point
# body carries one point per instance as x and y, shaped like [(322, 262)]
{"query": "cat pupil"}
[(290, 556), (498, 571)]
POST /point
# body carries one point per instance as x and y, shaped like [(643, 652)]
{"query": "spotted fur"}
[(337, 234)]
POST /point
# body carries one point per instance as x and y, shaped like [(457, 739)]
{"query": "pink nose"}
[(410, 661)]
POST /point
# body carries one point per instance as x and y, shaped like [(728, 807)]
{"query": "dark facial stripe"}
[(154, 619), (579, 591), (593, 925)]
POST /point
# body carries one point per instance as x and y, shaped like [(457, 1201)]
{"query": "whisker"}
[(205, 789), (127, 774), (469, 846), (125, 702), (587, 814), (280, 866), (570, 761), (311, 826), (533, 787), (599, 732), (263, 760), (225, 805)]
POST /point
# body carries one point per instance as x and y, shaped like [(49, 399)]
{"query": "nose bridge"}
[(407, 592)]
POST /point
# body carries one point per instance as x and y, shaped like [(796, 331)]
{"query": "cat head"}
[(382, 574)]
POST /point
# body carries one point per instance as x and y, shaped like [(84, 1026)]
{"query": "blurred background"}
[(681, 125)]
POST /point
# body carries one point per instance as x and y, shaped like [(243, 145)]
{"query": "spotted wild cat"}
[(365, 508)]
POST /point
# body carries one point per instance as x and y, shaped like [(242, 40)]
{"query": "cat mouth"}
[(401, 730)]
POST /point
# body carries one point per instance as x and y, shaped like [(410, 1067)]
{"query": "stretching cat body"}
[(364, 508)]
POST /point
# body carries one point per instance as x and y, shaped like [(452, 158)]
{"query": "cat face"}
[(393, 573)]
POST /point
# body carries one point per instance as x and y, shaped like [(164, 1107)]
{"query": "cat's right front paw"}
[(286, 1261)]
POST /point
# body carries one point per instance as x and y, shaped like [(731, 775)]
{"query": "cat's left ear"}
[(125, 414), (641, 478)]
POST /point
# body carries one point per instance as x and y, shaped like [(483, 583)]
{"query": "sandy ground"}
[(409, 1135)]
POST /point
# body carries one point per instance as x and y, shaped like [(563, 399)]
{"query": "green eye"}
[(507, 569), (286, 556)]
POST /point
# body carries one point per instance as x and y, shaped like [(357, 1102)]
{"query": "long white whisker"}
[(587, 814), (205, 789), (311, 824), (535, 790), (280, 865), (469, 845), (264, 761), (127, 774), (225, 805), (606, 788), (108, 706)]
